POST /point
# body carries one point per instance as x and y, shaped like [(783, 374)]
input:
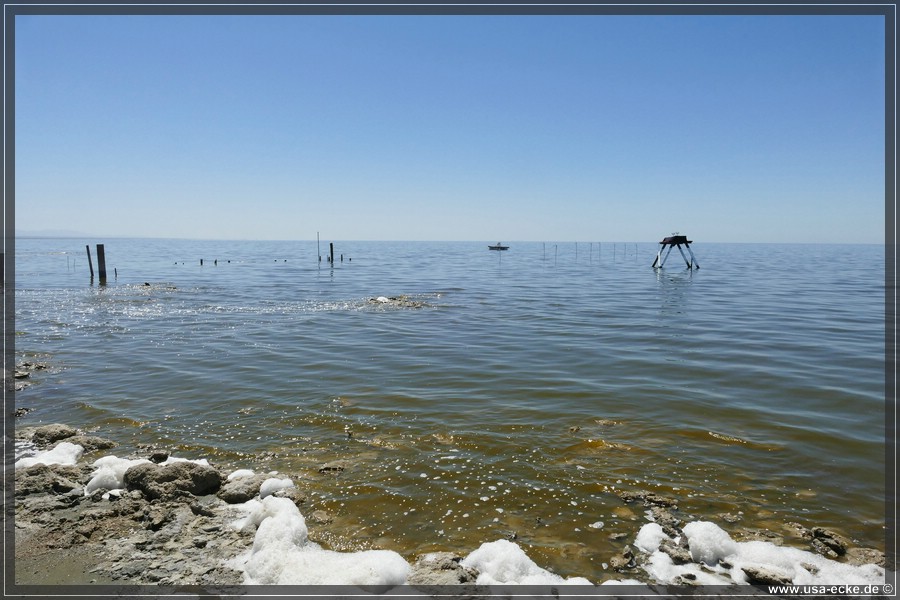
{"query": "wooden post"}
[(90, 261), (331, 246), (101, 262)]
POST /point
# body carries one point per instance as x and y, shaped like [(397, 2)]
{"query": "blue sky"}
[(581, 128)]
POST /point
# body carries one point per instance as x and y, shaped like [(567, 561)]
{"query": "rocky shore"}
[(172, 523)]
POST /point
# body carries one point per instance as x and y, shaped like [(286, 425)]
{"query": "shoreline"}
[(168, 528)]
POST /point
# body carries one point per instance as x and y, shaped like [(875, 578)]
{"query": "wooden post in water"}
[(331, 253), (101, 262), (90, 261)]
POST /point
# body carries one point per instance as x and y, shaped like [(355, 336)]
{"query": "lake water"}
[(510, 393)]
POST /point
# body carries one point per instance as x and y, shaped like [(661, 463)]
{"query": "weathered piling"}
[(90, 260), (331, 252), (101, 262)]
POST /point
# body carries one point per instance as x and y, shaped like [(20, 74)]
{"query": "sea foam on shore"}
[(699, 553)]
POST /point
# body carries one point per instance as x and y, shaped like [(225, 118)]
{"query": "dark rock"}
[(760, 535), (242, 489), (49, 434), (174, 480), (679, 554), (865, 556), (320, 517), (686, 579), (157, 518), (813, 569), (822, 548), (159, 457), (766, 576), (292, 493), (624, 560), (648, 498), (200, 510), (91, 443), (669, 523), (440, 568), (828, 542), (41, 478)]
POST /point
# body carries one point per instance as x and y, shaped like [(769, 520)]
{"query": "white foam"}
[(283, 554), (109, 473), (64, 453), (649, 537), (709, 544), (240, 474), (173, 459), (272, 485), (504, 562)]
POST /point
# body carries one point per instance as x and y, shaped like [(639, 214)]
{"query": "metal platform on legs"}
[(675, 241)]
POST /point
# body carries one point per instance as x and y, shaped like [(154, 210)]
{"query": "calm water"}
[(527, 389)]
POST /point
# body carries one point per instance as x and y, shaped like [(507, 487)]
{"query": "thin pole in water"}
[(318, 250), (90, 261)]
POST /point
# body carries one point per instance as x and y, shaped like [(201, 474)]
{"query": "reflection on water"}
[(514, 397)]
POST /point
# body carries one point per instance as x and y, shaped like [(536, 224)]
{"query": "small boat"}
[(498, 246)]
